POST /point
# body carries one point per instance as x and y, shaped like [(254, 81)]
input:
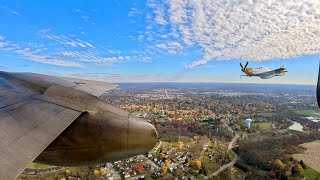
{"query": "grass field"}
[(311, 174), (290, 131), (306, 113), (311, 156), (262, 125), (211, 166), (39, 166)]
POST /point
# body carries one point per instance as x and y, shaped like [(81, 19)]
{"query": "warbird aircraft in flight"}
[(61, 121), (262, 72)]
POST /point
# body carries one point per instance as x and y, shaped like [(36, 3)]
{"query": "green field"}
[(262, 125), (311, 174), (306, 113), (210, 165), (293, 131), (39, 166)]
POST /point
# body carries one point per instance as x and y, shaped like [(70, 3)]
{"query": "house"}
[(127, 175)]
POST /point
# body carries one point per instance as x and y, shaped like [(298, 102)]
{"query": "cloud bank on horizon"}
[(230, 29)]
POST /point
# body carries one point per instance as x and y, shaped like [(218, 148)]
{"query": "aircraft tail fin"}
[(282, 73)]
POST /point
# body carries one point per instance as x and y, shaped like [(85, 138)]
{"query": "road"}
[(159, 144), (230, 146)]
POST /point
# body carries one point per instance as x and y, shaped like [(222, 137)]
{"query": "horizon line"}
[(220, 83)]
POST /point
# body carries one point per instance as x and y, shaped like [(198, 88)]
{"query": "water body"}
[(296, 126)]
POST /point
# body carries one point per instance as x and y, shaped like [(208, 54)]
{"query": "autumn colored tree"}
[(180, 145), (96, 172), (288, 173), (103, 171), (280, 164), (272, 174), (298, 168), (68, 172), (164, 169), (162, 156), (178, 173), (198, 164), (140, 166), (167, 162)]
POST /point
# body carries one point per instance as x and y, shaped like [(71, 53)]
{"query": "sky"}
[(161, 40)]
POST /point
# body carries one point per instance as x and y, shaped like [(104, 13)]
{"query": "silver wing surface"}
[(95, 88), (271, 73), (28, 124)]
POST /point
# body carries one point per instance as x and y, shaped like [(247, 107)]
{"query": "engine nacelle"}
[(102, 133)]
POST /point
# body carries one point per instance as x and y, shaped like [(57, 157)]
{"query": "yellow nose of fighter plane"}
[(244, 69)]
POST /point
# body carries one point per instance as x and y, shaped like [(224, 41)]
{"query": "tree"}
[(140, 166), (198, 164), (272, 174), (180, 145), (288, 173), (164, 169), (298, 168), (280, 164), (178, 173), (103, 171), (304, 166), (68, 172), (162, 156), (96, 172), (167, 163)]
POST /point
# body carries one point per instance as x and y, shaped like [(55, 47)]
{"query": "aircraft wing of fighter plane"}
[(275, 72), (61, 121)]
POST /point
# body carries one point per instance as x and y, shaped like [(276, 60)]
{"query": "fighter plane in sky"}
[(262, 72), (63, 122)]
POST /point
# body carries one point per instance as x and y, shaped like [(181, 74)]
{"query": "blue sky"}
[(161, 41)]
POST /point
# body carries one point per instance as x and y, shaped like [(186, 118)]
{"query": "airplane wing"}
[(96, 88), (27, 124), (35, 109), (271, 73)]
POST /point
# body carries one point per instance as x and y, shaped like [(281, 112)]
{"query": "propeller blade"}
[(241, 65), (246, 65)]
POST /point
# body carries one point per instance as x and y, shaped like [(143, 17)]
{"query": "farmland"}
[(311, 156), (306, 113)]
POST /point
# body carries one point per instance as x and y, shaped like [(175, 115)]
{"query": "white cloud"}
[(91, 57), (85, 18), (15, 13), (170, 47), (45, 59), (134, 12), (3, 44), (31, 52), (70, 41), (250, 30)]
